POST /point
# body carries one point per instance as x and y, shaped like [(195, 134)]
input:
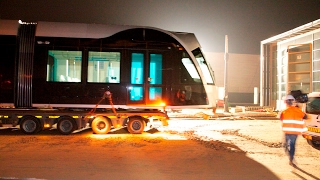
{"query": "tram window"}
[(155, 93), (137, 68), (155, 68), (64, 66), (203, 65), (136, 93), (205, 70), (104, 67), (191, 69)]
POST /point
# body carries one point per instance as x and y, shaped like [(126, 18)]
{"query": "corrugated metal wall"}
[(24, 65)]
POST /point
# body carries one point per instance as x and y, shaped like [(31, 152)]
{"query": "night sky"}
[(246, 22)]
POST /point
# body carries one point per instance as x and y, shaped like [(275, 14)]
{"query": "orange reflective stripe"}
[(293, 126)]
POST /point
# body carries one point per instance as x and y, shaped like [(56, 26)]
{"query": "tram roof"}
[(294, 32), (83, 30)]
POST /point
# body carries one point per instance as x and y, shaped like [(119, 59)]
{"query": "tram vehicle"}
[(71, 65)]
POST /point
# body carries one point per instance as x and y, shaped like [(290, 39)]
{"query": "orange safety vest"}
[(292, 121)]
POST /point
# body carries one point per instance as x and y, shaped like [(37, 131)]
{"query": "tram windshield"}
[(191, 69), (207, 72)]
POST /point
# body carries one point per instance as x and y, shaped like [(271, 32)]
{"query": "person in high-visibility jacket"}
[(292, 125)]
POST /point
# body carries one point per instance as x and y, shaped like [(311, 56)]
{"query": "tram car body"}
[(60, 64)]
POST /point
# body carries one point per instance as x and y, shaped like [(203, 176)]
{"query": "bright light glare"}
[(167, 136), (106, 136), (163, 135)]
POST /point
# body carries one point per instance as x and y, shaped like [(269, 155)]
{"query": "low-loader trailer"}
[(68, 120), (32, 121)]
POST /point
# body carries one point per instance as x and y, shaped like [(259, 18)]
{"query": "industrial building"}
[(290, 61)]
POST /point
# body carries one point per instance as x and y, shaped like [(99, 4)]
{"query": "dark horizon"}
[(246, 23)]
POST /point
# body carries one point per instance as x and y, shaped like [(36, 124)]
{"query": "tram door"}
[(145, 78)]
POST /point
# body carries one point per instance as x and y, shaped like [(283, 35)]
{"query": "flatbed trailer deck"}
[(33, 120)]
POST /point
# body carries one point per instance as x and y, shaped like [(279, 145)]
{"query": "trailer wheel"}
[(101, 125), (29, 124), (66, 125), (314, 144), (136, 125)]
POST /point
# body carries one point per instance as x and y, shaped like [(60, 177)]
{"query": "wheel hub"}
[(101, 125), (136, 125)]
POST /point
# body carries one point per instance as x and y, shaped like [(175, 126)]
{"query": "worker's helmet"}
[(288, 97)]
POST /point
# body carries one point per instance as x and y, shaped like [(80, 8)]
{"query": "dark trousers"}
[(291, 144)]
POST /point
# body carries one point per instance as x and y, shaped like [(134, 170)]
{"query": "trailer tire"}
[(30, 124), (101, 125), (66, 125), (136, 125)]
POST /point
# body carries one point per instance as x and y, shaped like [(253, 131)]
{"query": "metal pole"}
[(226, 57)]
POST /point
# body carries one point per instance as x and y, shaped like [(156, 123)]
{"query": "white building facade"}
[(290, 61), (242, 77)]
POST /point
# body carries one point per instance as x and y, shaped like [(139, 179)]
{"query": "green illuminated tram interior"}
[(137, 91)]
